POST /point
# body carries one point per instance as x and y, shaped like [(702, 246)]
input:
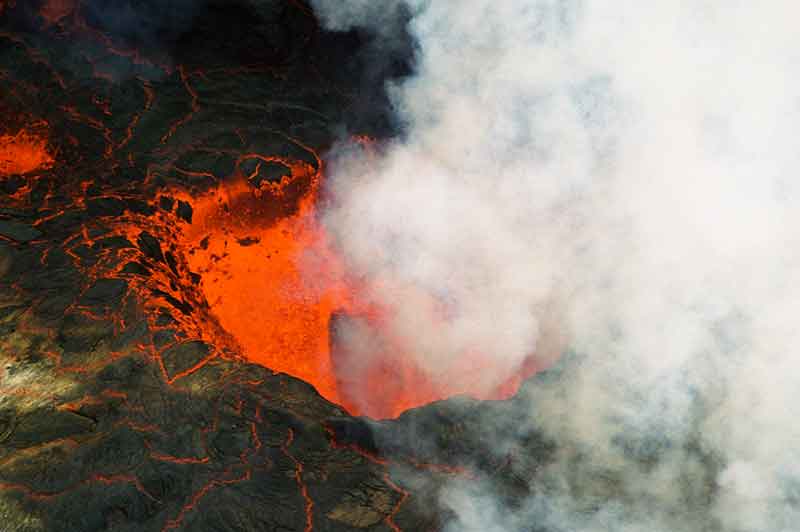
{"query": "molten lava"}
[(246, 244), (274, 281), (23, 152)]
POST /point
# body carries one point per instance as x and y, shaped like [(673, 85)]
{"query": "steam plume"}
[(631, 169)]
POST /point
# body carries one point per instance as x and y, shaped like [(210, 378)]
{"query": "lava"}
[(298, 475), (274, 281), (247, 251), (25, 151)]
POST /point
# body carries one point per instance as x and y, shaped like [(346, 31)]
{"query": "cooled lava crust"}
[(124, 405)]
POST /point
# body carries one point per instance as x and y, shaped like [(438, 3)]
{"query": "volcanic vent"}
[(273, 279)]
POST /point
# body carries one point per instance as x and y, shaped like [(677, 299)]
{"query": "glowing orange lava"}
[(274, 281), (23, 152), (246, 248)]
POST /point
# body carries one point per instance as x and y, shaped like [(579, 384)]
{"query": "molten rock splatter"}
[(23, 152)]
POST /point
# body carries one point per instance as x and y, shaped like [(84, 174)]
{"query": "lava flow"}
[(275, 282), (23, 152), (246, 247)]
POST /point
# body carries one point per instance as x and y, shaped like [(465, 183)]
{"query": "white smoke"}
[(343, 16), (633, 165)]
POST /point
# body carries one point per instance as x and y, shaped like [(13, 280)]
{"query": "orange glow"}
[(246, 248), (53, 11), (274, 282), (23, 152), (379, 376)]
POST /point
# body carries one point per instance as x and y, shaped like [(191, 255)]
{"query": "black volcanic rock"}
[(18, 231), (184, 356), (184, 211), (42, 426), (150, 246), (80, 333), (104, 293)]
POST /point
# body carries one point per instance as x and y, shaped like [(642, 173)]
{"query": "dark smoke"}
[(139, 22), (276, 36)]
